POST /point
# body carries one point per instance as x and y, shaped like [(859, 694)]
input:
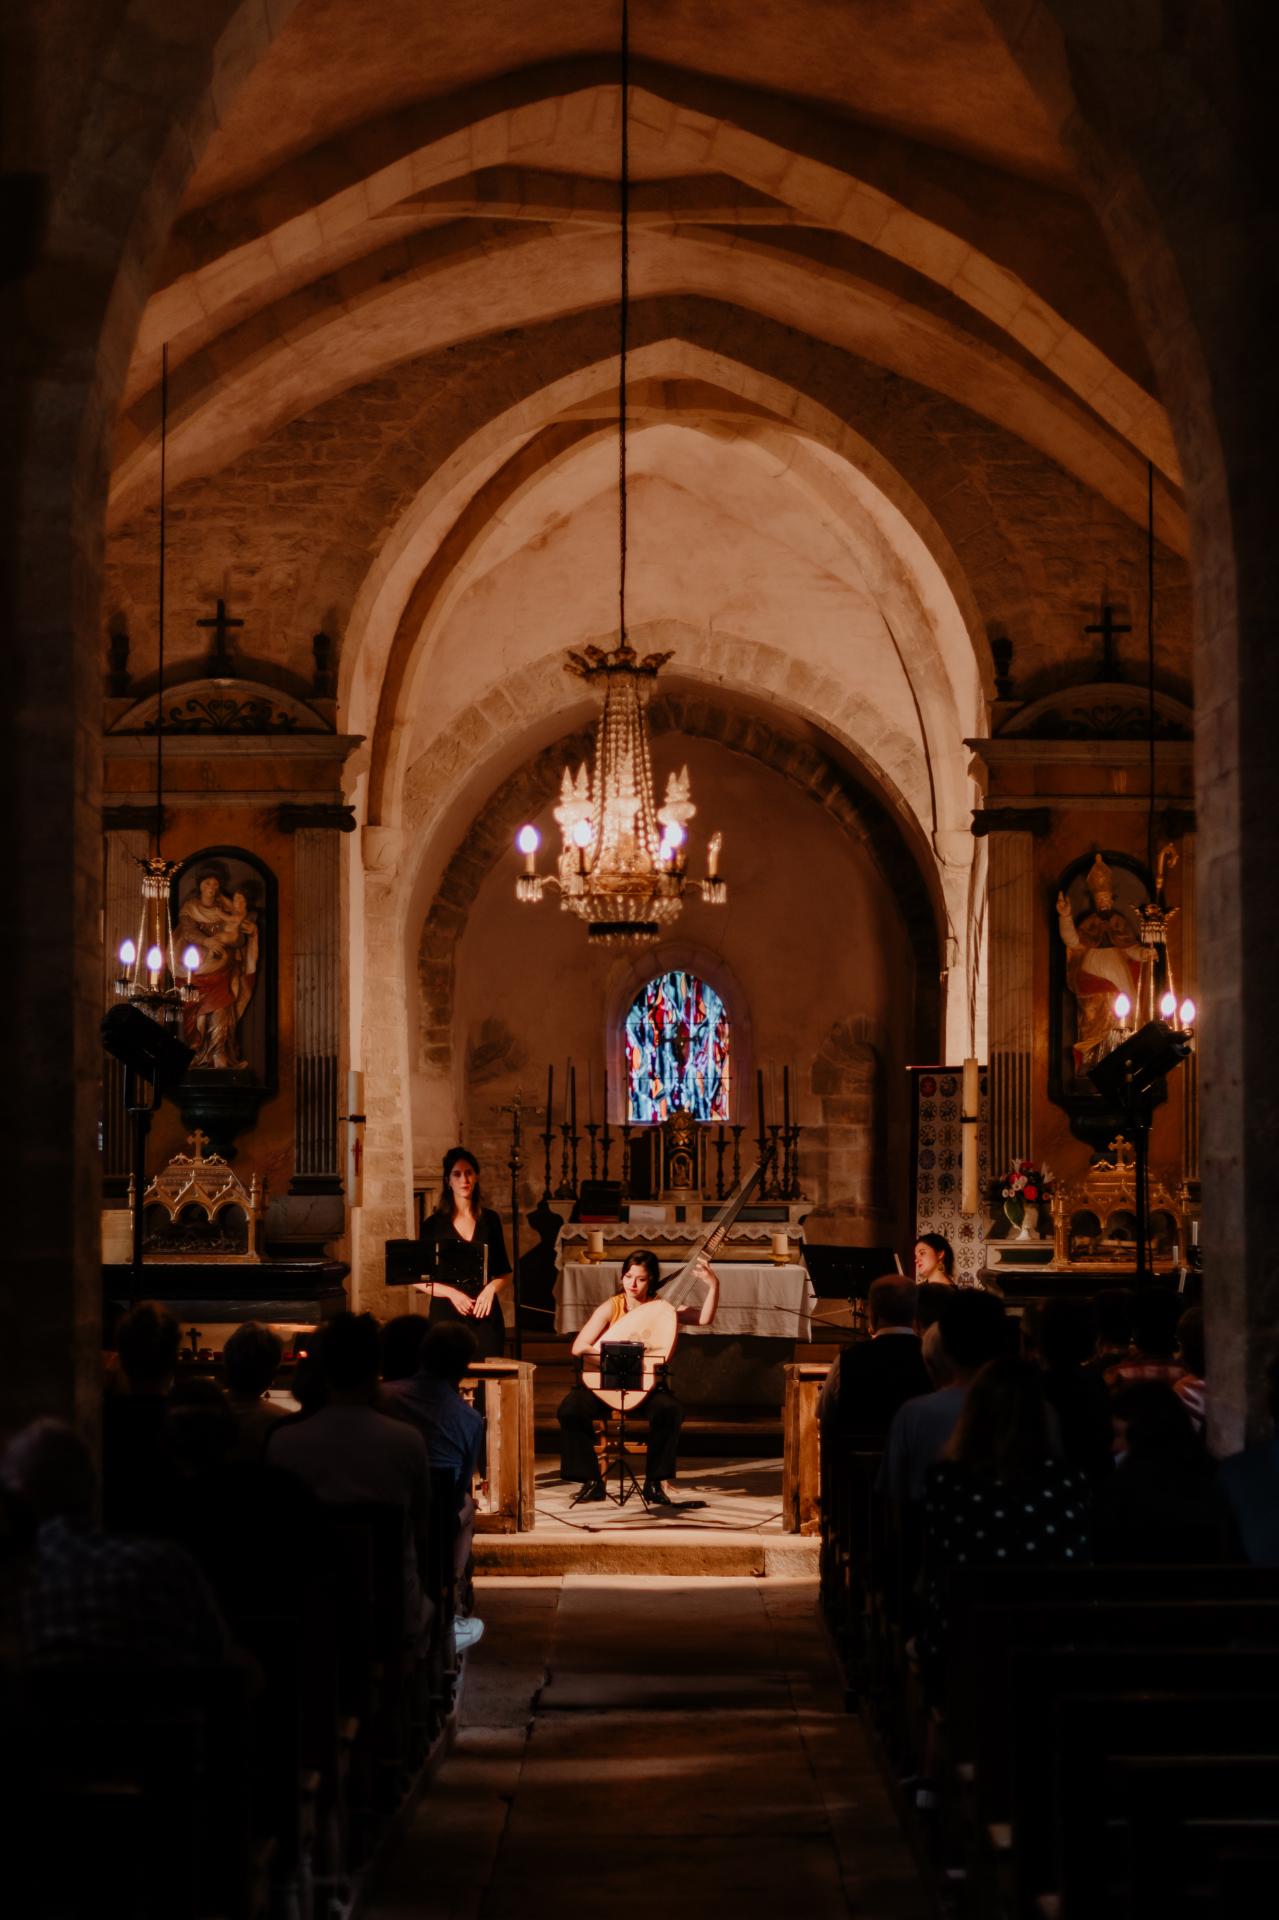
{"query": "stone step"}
[(654, 1550)]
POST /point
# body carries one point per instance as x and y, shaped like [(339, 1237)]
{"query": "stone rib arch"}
[(444, 287), (882, 190), (386, 593)]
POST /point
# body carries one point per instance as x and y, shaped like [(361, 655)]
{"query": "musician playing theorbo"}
[(639, 1283)]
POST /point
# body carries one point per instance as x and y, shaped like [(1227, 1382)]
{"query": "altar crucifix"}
[(220, 662), (1109, 629)]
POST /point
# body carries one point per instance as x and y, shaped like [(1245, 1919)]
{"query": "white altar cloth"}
[(772, 1302)]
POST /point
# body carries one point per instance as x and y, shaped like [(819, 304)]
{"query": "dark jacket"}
[(871, 1381)]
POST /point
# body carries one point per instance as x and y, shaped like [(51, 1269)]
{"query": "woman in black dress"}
[(469, 1265)]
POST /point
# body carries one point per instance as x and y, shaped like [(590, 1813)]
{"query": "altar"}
[(756, 1298)]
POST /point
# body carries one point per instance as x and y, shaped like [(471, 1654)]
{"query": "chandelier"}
[(149, 978), (622, 862)]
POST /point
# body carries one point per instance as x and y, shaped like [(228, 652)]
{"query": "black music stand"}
[(621, 1364)]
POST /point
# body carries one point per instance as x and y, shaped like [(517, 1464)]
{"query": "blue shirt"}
[(452, 1429)]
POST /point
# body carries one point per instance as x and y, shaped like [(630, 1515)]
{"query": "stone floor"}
[(631, 1745)]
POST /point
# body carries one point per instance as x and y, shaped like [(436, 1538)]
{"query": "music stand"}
[(621, 1364)]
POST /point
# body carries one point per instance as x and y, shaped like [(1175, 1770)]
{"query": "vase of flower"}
[(1024, 1187)]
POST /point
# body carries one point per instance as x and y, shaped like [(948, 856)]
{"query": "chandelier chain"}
[(159, 709), (623, 316)]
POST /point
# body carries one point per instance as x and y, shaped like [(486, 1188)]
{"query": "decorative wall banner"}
[(936, 1115)]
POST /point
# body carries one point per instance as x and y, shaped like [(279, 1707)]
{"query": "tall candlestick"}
[(572, 1097), (759, 1092), (550, 1093), (590, 1094), (785, 1166)]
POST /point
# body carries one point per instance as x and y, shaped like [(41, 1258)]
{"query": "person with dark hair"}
[(453, 1432), (998, 1495), (468, 1263), (1163, 1505), (1250, 1481), (579, 1409), (1153, 1353), (1112, 1313), (870, 1380), (402, 1340), (1059, 1335), (934, 1260), (972, 1330), (90, 1595), (1192, 1388), (348, 1452), (930, 1298), (250, 1361), (137, 1473)]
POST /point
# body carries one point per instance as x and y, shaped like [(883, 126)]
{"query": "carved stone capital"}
[(128, 817), (1036, 820), (293, 816)]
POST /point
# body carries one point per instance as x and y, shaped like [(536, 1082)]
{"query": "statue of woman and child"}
[(223, 929)]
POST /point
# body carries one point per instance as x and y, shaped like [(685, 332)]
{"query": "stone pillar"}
[(1010, 911), (1188, 984), (317, 1009)]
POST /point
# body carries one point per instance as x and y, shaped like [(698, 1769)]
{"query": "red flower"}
[(1030, 1193)]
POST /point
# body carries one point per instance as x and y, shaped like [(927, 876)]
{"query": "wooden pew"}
[(1060, 1840)]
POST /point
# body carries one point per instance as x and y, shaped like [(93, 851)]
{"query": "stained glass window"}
[(677, 1052)]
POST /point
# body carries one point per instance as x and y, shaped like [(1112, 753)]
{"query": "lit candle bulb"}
[(582, 834), (128, 953), (155, 960), (191, 960), (1123, 1007), (528, 840), (1188, 1012), (1168, 1006)]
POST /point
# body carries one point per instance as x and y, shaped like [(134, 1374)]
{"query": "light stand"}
[(1128, 1076), (154, 1059)]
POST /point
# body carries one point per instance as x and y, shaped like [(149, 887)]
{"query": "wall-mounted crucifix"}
[(220, 662), (1109, 629)]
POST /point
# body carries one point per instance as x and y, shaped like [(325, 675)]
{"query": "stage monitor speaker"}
[(139, 1042)]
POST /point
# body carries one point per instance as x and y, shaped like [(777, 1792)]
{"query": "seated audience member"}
[(1059, 1338), (1153, 1353), (933, 1354), (137, 1474), (930, 1298), (1112, 1314), (871, 1379), (971, 1329), (453, 1432), (1250, 1481), (349, 1453), (91, 1596), (251, 1360), (402, 1346), (1163, 1504), (252, 1529), (1191, 1389), (998, 1495)]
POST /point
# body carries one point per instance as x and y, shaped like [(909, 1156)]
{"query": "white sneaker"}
[(467, 1631)]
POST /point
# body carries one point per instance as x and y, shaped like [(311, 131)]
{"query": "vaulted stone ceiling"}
[(888, 394)]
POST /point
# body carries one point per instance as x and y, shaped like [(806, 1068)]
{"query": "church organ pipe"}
[(317, 1008), (1012, 897)]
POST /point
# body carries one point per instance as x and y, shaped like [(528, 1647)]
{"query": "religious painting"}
[(1095, 954), (224, 912), (677, 1051)]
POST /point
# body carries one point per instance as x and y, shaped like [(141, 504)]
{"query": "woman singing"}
[(470, 1268)]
